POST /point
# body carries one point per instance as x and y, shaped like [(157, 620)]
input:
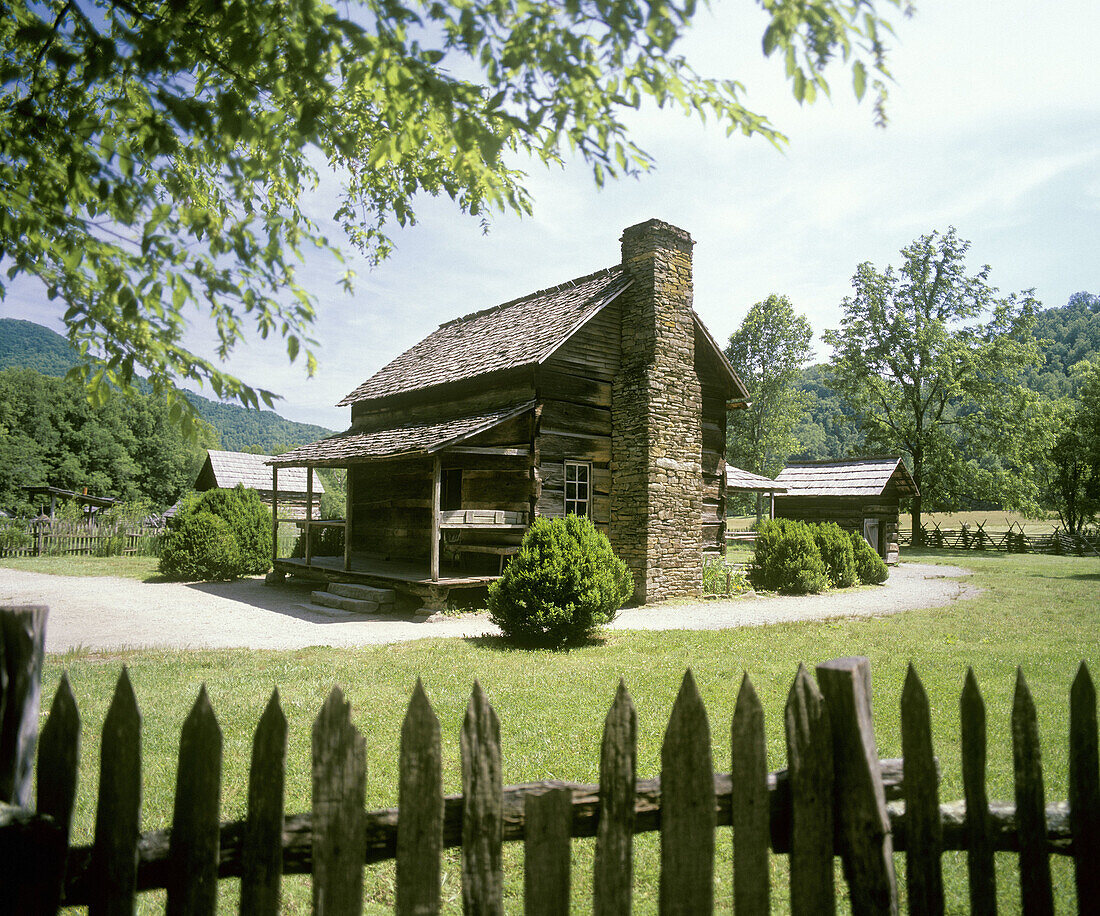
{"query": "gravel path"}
[(112, 613)]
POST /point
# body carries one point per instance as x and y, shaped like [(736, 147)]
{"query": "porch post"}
[(347, 522), (309, 513), (274, 512), (771, 498), (437, 475)]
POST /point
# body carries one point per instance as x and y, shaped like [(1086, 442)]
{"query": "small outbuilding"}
[(224, 470), (860, 494), (739, 481)]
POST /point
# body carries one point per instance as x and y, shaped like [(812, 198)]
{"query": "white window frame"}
[(581, 478)]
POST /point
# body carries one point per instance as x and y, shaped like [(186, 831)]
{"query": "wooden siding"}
[(462, 400)]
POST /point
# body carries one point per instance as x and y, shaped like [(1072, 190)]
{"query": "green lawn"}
[(1041, 612), (141, 568)]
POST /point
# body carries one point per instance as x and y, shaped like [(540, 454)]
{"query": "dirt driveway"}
[(111, 613)]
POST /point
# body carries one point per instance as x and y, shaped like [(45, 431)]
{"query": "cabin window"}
[(578, 488), (450, 491)]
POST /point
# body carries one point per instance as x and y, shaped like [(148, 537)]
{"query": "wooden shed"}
[(604, 396), (224, 470), (861, 494)]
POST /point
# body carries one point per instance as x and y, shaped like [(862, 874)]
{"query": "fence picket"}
[(193, 847), (866, 844), (1084, 790), (59, 758), (923, 833), (483, 809), (339, 794), (613, 872), (262, 852), (979, 833), (1035, 885), (420, 803), (810, 769), (118, 814), (548, 821), (749, 803), (687, 807), (22, 644)]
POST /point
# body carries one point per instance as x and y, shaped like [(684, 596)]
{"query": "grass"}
[(1038, 611), (125, 567)]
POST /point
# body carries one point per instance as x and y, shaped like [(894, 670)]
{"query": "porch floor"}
[(409, 575)]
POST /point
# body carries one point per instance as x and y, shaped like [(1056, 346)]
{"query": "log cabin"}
[(862, 494), (604, 396), (224, 470)]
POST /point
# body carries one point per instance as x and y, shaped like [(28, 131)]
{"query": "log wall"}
[(849, 512)]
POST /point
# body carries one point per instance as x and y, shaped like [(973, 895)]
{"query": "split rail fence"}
[(1012, 540), (835, 799)]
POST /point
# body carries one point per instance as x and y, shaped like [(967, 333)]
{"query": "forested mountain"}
[(26, 345)]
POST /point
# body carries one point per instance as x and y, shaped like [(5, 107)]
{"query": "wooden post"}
[(437, 478), (22, 643), (347, 522), (274, 513), (759, 507), (863, 826), (309, 515)]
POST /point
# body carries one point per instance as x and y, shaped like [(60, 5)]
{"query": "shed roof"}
[(408, 439), (746, 482), (857, 477), (521, 332), (232, 468)]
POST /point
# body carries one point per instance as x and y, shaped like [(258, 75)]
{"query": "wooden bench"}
[(502, 520), (501, 551)]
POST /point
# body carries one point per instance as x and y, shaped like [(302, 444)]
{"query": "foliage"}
[(201, 546), (1066, 336), (768, 351), (930, 357), (787, 559), (247, 522), (156, 159), (26, 345), (828, 430), (723, 578), (870, 567), (1075, 455), (50, 435), (836, 553), (564, 583)]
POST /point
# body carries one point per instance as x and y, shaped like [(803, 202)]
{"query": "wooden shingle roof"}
[(517, 333), (231, 468), (857, 477), (736, 479), (408, 439)]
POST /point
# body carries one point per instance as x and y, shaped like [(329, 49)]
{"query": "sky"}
[(994, 129)]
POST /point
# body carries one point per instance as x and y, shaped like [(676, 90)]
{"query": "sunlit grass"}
[(1038, 611), (125, 567)]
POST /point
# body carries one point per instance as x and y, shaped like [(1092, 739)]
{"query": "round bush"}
[(787, 559), (564, 583), (201, 546), (870, 568), (837, 554), (247, 520)]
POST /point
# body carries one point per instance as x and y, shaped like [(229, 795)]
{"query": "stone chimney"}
[(656, 419)]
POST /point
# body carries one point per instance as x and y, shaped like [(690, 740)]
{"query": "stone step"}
[(362, 592), (332, 612), (356, 605)]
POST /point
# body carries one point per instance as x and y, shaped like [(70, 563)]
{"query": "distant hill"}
[(26, 345)]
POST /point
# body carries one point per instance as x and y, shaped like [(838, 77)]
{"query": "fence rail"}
[(1012, 540), (46, 537), (835, 799)]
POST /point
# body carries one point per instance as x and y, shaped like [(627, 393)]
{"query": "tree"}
[(768, 351), (1075, 455), (929, 357), (154, 157)]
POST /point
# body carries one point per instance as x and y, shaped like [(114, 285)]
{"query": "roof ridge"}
[(568, 284), (827, 461)]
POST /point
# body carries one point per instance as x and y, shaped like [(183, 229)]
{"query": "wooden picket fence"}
[(63, 538), (833, 800)]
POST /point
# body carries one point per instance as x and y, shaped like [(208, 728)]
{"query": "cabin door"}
[(870, 532)]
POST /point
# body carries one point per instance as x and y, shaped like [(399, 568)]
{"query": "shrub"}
[(201, 546), (870, 568), (837, 554), (564, 582), (248, 522), (787, 559), (722, 578)]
